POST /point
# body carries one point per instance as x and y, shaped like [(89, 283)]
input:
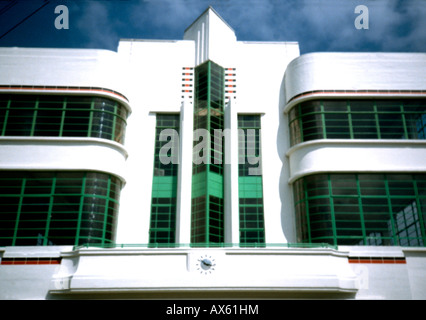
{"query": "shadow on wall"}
[(288, 219)]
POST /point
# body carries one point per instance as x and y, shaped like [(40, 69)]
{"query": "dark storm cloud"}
[(318, 25)]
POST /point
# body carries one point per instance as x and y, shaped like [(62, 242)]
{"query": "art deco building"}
[(212, 167)]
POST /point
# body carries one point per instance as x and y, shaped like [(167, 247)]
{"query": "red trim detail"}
[(375, 260), (30, 261)]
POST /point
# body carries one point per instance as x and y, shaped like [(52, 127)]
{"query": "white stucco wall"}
[(355, 71)]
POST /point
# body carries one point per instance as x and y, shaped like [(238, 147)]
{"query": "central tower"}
[(207, 205), (212, 37)]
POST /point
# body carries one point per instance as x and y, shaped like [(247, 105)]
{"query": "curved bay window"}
[(361, 209), (57, 208), (358, 119), (62, 116)]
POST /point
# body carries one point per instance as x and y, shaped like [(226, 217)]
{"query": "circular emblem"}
[(206, 264)]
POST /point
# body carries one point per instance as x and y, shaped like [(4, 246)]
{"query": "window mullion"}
[(18, 216), (306, 200), (114, 122), (299, 119), (107, 199), (361, 210), (64, 106), (80, 211), (91, 114), (333, 217), (351, 128), (404, 121), (324, 129), (49, 213), (33, 125), (6, 116), (376, 118), (394, 234)]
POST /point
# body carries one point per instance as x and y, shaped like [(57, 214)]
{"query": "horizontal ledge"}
[(358, 143), (349, 170), (218, 289), (51, 141), (208, 246)]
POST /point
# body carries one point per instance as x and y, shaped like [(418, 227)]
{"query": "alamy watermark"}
[(204, 154), (62, 20), (361, 21)]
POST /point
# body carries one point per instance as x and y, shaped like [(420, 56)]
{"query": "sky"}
[(317, 25)]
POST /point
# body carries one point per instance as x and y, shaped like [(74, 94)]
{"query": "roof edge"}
[(204, 12)]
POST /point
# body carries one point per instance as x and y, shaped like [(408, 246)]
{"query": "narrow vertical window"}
[(250, 185), (164, 185)]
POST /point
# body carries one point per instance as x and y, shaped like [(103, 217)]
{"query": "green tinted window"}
[(57, 208), (164, 184), (62, 116), (207, 213), (361, 209), (357, 119), (250, 184)]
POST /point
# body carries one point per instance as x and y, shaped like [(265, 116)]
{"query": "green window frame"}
[(58, 208), (361, 209), (207, 207), (62, 116), (164, 185), (250, 182), (357, 119)]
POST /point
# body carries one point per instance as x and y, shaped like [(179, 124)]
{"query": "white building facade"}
[(212, 167)]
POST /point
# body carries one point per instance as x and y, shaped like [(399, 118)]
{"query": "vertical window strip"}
[(251, 210), (164, 186), (207, 212)]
